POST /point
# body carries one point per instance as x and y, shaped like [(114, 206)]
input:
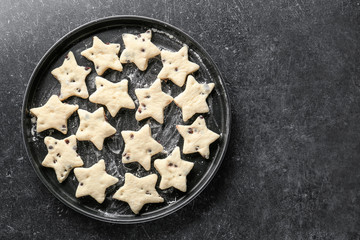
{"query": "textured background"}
[(292, 69)]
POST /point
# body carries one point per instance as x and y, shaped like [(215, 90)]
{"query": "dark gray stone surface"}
[(292, 170)]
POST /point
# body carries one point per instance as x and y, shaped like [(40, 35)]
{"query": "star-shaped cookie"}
[(197, 137), (193, 99), (140, 146), (62, 156), (173, 171), (104, 56), (93, 127), (94, 181), (138, 191), (138, 49), (152, 102), (53, 114), (113, 95), (72, 78), (176, 66)]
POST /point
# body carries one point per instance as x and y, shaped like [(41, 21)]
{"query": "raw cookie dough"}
[(152, 102), (176, 66), (193, 99), (113, 95), (93, 127), (94, 181), (103, 55), (138, 191), (140, 146), (62, 156), (197, 137), (138, 49), (72, 78), (53, 114), (173, 171)]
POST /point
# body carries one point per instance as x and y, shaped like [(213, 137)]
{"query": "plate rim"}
[(211, 172)]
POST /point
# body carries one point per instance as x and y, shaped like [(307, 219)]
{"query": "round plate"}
[(42, 85)]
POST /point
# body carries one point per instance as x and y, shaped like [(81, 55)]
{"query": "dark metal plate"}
[(42, 85)]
